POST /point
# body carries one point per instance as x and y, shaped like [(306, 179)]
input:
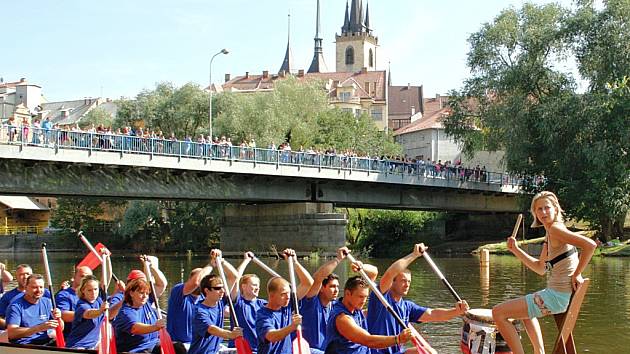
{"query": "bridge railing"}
[(63, 139)]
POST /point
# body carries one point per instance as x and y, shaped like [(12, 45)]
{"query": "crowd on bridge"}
[(139, 140), (308, 314)]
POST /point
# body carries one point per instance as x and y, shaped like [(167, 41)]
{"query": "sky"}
[(75, 48)]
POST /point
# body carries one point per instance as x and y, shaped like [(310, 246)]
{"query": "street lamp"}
[(222, 51)]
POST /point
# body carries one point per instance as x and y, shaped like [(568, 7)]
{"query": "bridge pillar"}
[(305, 227)]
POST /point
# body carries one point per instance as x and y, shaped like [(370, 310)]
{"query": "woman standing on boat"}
[(137, 324), (560, 257), (88, 316)]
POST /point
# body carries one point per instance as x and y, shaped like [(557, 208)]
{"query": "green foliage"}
[(179, 110), (96, 117), (298, 112), (194, 225), (519, 99), (140, 215), (75, 214), (391, 233), (175, 225), (290, 110)]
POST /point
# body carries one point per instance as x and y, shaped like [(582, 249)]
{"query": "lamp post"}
[(222, 51)]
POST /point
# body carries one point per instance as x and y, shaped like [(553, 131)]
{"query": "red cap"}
[(136, 274)]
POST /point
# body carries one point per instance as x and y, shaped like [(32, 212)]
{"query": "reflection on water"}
[(604, 319)]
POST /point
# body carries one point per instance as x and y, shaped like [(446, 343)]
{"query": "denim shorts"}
[(547, 302)]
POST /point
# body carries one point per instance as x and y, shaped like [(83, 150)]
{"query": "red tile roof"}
[(433, 121), (360, 78)]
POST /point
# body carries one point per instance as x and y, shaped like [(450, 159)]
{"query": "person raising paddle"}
[(315, 307), (394, 284), (347, 330), (558, 256), (29, 317), (207, 323), (274, 322), (182, 302), (247, 303)]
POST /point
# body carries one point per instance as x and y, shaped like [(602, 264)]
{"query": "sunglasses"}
[(217, 288)]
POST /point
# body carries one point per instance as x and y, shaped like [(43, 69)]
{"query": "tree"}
[(179, 110), (298, 112), (75, 214), (96, 117), (519, 99)]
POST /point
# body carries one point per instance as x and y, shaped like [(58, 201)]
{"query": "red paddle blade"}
[(242, 346), (107, 344), (422, 346), (112, 340), (300, 345), (166, 344), (60, 340), (91, 260)]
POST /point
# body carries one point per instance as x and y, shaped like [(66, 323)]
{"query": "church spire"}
[(367, 18), (317, 64), (286, 64), (346, 21)]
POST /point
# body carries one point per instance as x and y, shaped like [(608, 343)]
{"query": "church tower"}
[(356, 46)]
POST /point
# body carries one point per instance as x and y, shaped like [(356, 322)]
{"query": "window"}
[(344, 96), (347, 110), (371, 58), (377, 114), (349, 56)]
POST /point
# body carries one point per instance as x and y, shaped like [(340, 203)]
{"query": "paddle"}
[(60, 340), (166, 343), (517, 225), (107, 345), (241, 344), (300, 345), (265, 267), (441, 276), (94, 252), (421, 345)]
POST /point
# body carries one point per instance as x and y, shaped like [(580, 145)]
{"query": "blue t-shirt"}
[(127, 317), (11, 295), (381, 322), (267, 320), (24, 314), (336, 343), (246, 315), (181, 310), (314, 321), (205, 316), (85, 333), (66, 300), (116, 298)]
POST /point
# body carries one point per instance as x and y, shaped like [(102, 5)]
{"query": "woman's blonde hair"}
[(556, 204), (84, 282)]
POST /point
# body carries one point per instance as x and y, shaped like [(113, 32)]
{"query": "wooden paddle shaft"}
[(441, 276), (48, 277), (378, 294), (517, 225), (147, 270), (265, 267), (293, 287), (227, 292)]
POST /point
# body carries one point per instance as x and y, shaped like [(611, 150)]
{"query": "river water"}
[(603, 323)]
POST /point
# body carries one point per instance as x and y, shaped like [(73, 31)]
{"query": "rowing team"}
[(314, 321)]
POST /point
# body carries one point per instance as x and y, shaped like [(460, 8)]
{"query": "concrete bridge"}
[(280, 198), (188, 171)]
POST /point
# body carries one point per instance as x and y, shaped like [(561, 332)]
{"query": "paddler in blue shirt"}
[(394, 285), (347, 327), (315, 307)]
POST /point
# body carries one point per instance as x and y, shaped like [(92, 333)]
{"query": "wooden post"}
[(566, 321)]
